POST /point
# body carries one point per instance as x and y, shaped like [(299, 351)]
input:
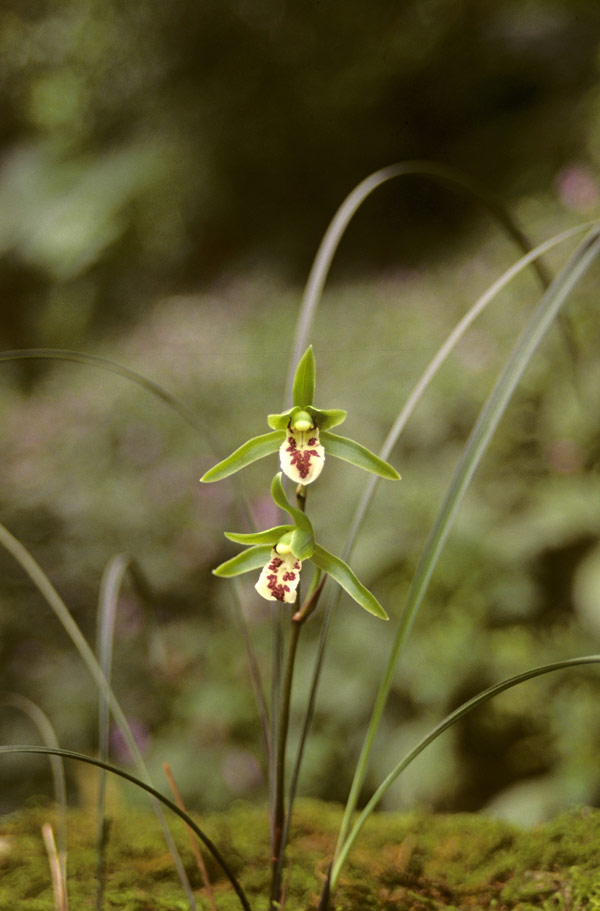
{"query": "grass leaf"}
[(443, 725)]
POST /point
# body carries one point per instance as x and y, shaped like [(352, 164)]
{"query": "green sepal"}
[(344, 576), (304, 536), (300, 518), (245, 562), (325, 418), (250, 451), (303, 391), (268, 536), (351, 451)]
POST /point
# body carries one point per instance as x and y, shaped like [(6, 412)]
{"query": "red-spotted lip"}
[(279, 578), (302, 456)]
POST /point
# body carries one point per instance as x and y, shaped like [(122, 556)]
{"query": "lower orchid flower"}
[(280, 553)]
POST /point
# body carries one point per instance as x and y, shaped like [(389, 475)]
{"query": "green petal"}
[(302, 544), (253, 558), (300, 518), (280, 421), (327, 417), (269, 536), (351, 451), (256, 448), (303, 392), (324, 418), (343, 575)]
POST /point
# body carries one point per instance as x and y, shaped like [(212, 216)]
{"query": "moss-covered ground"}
[(413, 862)]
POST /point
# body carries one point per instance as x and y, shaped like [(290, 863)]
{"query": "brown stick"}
[(193, 843)]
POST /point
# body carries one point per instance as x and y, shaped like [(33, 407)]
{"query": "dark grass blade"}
[(57, 766), (91, 360), (108, 600), (62, 613), (485, 426), (310, 301), (102, 363), (114, 770), (393, 436), (337, 227), (443, 725)]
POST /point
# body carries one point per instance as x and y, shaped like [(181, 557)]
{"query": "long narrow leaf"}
[(392, 438), (342, 218), (255, 675), (486, 424), (61, 611), (92, 360), (48, 735), (443, 725), (108, 598), (144, 786)]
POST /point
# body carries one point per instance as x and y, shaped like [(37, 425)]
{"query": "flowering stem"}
[(279, 828), (301, 497), (279, 809)]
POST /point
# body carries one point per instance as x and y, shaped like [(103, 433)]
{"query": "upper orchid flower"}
[(302, 436), (280, 552)]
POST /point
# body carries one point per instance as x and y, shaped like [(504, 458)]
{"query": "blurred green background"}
[(166, 173)]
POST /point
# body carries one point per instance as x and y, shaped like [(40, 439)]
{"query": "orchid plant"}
[(302, 436)]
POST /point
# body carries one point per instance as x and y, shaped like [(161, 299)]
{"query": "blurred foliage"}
[(166, 173), (149, 146), (93, 465)]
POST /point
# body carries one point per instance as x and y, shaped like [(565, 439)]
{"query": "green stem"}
[(279, 808), (280, 825)]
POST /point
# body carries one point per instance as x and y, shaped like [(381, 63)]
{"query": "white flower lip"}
[(301, 455), (279, 579)]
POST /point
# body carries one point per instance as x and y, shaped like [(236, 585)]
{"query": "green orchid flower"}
[(280, 552), (302, 436)]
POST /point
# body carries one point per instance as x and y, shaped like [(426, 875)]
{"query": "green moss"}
[(416, 862)]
